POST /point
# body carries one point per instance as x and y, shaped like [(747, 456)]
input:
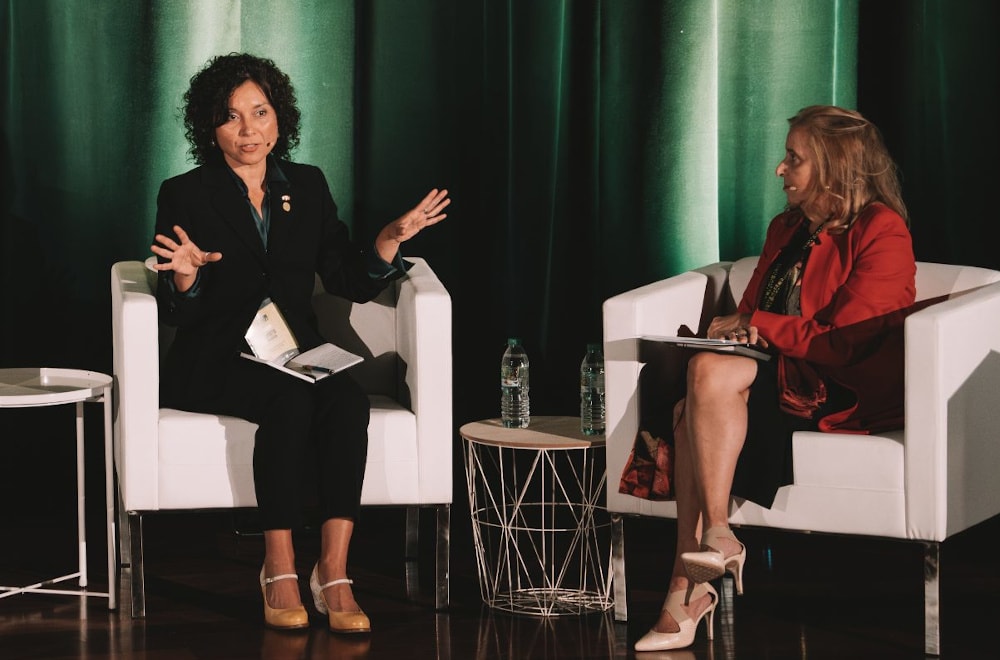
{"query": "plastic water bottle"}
[(592, 391), (515, 409)]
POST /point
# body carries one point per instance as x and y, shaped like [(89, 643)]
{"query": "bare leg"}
[(279, 559), (336, 540), (688, 522), (709, 429), (716, 416)]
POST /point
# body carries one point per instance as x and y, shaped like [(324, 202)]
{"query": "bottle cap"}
[(513, 341)]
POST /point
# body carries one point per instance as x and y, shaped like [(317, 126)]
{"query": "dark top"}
[(305, 238)]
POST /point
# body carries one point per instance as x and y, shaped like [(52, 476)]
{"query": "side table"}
[(541, 534), (31, 388)]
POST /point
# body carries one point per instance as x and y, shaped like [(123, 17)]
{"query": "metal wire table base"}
[(541, 536)]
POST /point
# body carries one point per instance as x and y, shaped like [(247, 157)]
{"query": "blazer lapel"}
[(232, 207), (283, 209)]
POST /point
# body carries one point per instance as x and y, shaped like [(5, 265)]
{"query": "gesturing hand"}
[(408, 225), (185, 258)]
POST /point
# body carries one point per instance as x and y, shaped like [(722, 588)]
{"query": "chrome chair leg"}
[(442, 562), (932, 596), (618, 565), (136, 579), (442, 553)]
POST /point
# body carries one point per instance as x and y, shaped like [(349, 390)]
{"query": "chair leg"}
[(412, 548), (618, 565), (932, 594), (134, 573), (442, 563), (442, 550), (411, 552), (124, 535)]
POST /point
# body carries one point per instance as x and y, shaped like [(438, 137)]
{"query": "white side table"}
[(541, 532), (33, 388)]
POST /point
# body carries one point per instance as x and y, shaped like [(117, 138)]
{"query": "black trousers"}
[(311, 442)]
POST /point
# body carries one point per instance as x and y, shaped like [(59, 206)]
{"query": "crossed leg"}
[(710, 425)]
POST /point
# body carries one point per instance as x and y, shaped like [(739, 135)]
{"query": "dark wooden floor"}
[(807, 596)]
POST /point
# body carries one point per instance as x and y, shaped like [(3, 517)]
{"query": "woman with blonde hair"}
[(826, 299)]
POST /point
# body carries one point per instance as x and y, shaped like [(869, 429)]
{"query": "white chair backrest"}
[(739, 277), (367, 329)]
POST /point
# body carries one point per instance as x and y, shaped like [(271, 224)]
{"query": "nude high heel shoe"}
[(709, 563), (283, 618), (657, 641), (340, 622)]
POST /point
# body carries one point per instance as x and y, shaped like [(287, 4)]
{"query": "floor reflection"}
[(313, 644), (503, 635)]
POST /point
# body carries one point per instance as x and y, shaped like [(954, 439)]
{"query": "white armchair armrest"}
[(423, 317), (952, 414), (660, 308), (136, 369)]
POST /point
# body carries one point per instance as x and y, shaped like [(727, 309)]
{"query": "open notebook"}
[(718, 345), (273, 344)]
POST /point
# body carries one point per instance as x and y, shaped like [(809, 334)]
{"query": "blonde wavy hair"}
[(853, 168)]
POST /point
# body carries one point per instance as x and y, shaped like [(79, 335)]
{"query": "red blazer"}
[(857, 288)]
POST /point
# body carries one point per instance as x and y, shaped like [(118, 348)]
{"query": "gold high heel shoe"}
[(657, 641), (709, 563), (340, 622), (284, 618)]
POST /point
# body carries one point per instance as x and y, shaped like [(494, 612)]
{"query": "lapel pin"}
[(286, 203)]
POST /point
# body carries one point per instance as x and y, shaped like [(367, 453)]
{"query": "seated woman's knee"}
[(708, 372)]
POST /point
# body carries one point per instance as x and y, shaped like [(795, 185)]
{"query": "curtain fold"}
[(604, 144), (590, 146)]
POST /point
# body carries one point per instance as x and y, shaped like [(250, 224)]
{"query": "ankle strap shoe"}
[(282, 618), (340, 622)]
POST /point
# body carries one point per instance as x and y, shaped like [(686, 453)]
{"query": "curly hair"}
[(853, 165), (206, 103)]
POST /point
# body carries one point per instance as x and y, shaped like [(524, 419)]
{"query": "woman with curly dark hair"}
[(245, 228)]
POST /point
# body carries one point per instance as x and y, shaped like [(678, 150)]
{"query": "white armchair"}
[(924, 484), (169, 460)]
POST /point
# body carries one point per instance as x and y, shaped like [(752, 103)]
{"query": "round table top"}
[(23, 387), (542, 433)]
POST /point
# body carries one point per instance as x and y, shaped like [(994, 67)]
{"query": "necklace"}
[(784, 266)]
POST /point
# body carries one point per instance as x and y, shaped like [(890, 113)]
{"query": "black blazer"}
[(304, 240)]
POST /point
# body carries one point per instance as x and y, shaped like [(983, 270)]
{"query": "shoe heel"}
[(710, 623), (736, 568), (710, 564), (317, 591)]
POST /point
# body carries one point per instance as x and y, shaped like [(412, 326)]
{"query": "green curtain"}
[(590, 146), (91, 126)]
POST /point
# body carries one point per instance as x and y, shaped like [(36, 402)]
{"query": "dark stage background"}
[(590, 147)]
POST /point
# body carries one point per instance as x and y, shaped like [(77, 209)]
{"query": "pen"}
[(313, 367)]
